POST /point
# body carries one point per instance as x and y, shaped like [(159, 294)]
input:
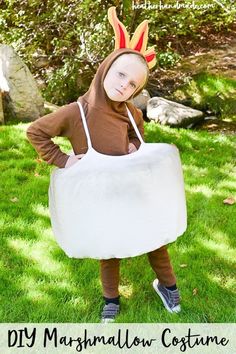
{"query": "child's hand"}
[(73, 159), (132, 148)]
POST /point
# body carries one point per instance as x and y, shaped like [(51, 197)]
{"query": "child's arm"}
[(59, 123)]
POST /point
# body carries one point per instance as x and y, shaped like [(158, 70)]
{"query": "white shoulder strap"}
[(85, 124), (87, 131), (134, 125)]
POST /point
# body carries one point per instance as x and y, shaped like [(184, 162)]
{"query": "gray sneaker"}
[(109, 312), (170, 298)]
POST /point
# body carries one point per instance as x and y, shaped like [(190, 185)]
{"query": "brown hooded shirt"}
[(108, 122)]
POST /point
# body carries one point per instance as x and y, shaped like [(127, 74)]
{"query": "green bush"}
[(167, 59), (75, 36)]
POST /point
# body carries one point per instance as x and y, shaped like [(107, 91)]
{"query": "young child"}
[(121, 76)]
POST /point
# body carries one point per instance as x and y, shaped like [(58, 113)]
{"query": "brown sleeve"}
[(59, 123), (138, 116)]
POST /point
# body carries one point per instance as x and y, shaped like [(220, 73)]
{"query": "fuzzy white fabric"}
[(118, 206)]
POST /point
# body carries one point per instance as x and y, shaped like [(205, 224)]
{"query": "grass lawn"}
[(39, 283), (211, 92)]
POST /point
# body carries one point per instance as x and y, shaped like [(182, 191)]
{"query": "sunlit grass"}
[(211, 92), (39, 283)]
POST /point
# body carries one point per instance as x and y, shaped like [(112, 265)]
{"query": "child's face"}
[(124, 77)]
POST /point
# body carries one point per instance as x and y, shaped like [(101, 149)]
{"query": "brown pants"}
[(158, 259)]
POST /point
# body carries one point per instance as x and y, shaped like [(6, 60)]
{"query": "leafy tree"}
[(73, 37)]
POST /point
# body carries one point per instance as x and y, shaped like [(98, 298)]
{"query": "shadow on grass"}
[(204, 262), (213, 92), (39, 283)]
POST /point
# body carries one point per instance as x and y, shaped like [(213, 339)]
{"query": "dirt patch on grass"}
[(217, 126), (211, 51)]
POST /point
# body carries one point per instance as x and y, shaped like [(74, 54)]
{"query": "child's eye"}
[(122, 75)]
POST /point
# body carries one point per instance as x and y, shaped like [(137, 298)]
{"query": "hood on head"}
[(96, 95), (106, 64)]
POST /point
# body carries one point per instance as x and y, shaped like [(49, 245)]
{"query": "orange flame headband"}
[(139, 40)]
